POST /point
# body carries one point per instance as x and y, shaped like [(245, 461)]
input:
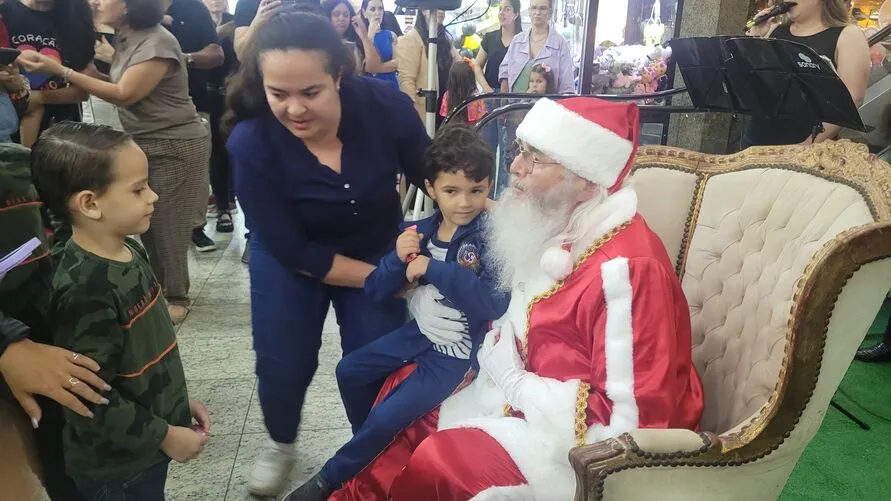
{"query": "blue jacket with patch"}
[(463, 278)]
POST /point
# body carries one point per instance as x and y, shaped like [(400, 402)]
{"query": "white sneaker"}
[(271, 471)]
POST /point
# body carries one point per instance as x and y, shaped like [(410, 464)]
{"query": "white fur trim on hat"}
[(586, 148)]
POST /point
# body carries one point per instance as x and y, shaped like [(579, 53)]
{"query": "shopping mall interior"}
[(783, 253)]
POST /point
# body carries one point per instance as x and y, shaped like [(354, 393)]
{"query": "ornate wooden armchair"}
[(785, 257)]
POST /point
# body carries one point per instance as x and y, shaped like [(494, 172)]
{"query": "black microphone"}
[(777, 10)]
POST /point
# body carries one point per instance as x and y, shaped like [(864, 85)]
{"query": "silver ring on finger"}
[(73, 381), (74, 357)]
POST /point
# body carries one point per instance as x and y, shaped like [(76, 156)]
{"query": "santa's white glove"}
[(500, 359), (441, 324)]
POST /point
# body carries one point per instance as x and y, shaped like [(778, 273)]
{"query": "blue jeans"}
[(287, 314), (436, 377), (147, 485)]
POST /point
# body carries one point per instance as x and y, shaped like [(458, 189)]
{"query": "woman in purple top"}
[(540, 45)]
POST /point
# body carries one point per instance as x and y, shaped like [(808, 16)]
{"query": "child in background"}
[(107, 305), (446, 254), (541, 80), (465, 81), (14, 93)]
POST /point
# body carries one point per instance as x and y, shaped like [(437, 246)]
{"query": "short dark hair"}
[(71, 157), (143, 14), (245, 95), (457, 148)]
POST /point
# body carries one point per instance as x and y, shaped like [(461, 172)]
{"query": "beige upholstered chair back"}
[(744, 230)]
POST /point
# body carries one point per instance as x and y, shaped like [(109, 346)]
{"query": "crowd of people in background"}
[(152, 77), (303, 121)]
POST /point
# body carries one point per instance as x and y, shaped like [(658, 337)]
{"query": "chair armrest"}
[(638, 448)]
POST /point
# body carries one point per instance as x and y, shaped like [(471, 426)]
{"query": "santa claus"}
[(596, 341)]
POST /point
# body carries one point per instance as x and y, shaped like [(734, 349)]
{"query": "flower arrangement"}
[(631, 69)]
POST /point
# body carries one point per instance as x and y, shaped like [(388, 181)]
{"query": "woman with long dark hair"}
[(495, 43), (411, 53), (378, 43), (341, 15), (316, 151), (825, 26)]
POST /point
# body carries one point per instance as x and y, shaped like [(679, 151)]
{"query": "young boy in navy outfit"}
[(443, 256)]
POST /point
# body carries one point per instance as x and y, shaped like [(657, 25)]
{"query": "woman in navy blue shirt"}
[(316, 153)]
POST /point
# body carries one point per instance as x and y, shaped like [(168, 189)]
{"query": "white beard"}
[(521, 228)]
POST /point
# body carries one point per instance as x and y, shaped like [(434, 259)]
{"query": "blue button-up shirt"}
[(303, 211)]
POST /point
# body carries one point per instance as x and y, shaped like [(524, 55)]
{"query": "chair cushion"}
[(665, 197), (756, 232)]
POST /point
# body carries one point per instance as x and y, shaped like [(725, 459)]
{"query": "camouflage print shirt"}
[(115, 313), (24, 292)]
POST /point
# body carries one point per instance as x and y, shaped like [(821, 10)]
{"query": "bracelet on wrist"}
[(66, 74)]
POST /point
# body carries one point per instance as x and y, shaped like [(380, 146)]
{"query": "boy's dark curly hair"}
[(457, 148)]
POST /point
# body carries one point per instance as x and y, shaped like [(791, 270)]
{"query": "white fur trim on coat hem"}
[(512, 493), (619, 348)]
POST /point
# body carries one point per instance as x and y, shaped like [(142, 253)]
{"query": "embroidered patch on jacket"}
[(469, 256)]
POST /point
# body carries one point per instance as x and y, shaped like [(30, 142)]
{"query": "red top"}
[(475, 111)]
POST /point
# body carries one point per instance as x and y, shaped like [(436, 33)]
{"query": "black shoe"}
[(878, 353), (224, 223), (202, 242), (313, 490)]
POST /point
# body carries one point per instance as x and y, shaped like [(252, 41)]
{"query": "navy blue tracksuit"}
[(468, 286)]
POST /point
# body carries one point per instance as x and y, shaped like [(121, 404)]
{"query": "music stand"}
[(765, 78)]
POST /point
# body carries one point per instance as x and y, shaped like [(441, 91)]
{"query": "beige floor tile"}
[(227, 402), (205, 478), (220, 357)]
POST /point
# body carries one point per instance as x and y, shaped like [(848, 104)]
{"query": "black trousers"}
[(220, 172)]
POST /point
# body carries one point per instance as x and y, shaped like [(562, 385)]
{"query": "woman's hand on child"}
[(417, 268), (183, 444), (200, 415), (31, 368), (408, 243)]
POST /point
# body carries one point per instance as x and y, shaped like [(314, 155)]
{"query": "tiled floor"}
[(215, 341)]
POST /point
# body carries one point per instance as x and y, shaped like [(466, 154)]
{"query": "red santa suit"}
[(595, 344)]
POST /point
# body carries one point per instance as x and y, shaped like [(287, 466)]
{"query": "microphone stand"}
[(422, 205)]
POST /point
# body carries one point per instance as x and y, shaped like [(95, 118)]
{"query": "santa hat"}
[(593, 138)]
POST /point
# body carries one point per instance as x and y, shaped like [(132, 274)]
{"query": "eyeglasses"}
[(527, 154)]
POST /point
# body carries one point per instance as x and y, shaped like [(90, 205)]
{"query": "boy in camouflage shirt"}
[(107, 305)]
